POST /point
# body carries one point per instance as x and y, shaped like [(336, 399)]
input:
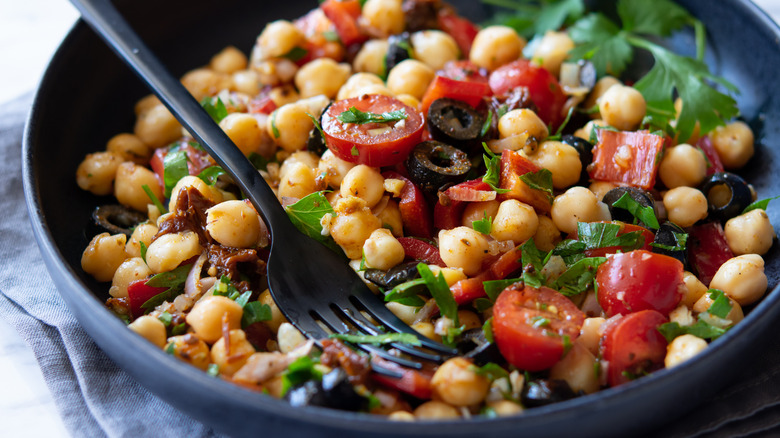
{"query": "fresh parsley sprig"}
[(354, 115)]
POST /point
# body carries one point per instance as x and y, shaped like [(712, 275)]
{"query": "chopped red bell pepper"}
[(627, 157), (421, 250), (138, 293), (707, 250), (344, 15), (415, 213), (413, 382), (262, 105), (513, 166), (460, 29), (468, 290), (466, 91), (448, 212), (714, 164)]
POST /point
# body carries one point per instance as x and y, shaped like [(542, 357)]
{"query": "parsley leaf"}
[(295, 54), (760, 204), (541, 180), (354, 115), (210, 174), (306, 215), (533, 260), (255, 311), (491, 370), (487, 329), (300, 370), (493, 174), (701, 329), (155, 200), (529, 18), (605, 235), (407, 292), (387, 338), (720, 306), (484, 225), (174, 169), (440, 292), (642, 213), (580, 276), (599, 40), (173, 280), (494, 287), (217, 110), (660, 17)]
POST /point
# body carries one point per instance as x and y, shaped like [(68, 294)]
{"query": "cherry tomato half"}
[(372, 144), (633, 346), (639, 280), (544, 89), (530, 326)]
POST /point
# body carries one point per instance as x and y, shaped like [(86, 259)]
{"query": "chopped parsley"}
[(217, 110), (354, 115), (210, 174), (173, 280), (580, 276), (540, 180), (641, 213), (407, 292), (175, 168), (299, 371), (255, 311), (387, 338), (484, 225), (307, 214), (440, 292), (760, 204)]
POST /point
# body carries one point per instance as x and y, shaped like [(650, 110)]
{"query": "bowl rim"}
[(76, 292)]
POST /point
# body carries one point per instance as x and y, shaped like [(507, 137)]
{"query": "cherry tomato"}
[(420, 250), (344, 15), (460, 29), (544, 89), (197, 159), (627, 157), (531, 326), (467, 91), (373, 144), (639, 280), (415, 213), (633, 346), (468, 290), (138, 293), (707, 250), (714, 164)]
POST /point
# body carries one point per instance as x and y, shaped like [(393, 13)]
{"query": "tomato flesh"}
[(419, 250), (344, 15), (530, 326), (627, 158), (138, 292), (513, 166), (464, 70), (372, 144), (460, 29), (707, 250), (415, 213), (714, 164), (544, 90), (633, 346), (412, 382), (639, 280), (467, 91), (468, 290)]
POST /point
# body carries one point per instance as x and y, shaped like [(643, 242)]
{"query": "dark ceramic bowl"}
[(87, 95)]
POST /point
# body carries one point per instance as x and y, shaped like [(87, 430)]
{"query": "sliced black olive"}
[(399, 49), (433, 164), (334, 391), (473, 345), (455, 122), (727, 195), (585, 149), (542, 392), (117, 219), (394, 276), (670, 240), (316, 143), (644, 199)]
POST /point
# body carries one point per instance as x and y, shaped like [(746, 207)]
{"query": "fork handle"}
[(103, 18)]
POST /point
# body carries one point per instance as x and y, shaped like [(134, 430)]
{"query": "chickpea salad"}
[(502, 186)]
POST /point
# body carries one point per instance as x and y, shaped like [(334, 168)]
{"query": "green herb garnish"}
[(354, 115), (255, 311), (173, 280), (641, 213), (175, 168), (210, 174), (540, 180), (580, 276), (387, 338), (217, 110), (760, 204), (440, 292), (307, 214), (155, 200)]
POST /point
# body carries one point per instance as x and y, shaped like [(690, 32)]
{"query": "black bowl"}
[(87, 95)]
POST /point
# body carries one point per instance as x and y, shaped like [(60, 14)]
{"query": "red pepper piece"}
[(420, 250), (138, 293), (707, 250), (627, 157), (415, 213)]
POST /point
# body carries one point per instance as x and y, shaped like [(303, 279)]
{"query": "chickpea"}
[(322, 76), (130, 270), (427, 329), (734, 143), (207, 314), (352, 225), (196, 183), (600, 188), (382, 250), (130, 148), (505, 408), (682, 315), (244, 130), (704, 303), (142, 233), (246, 81), (462, 247), (157, 127), (587, 131), (383, 17), (514, 221), (103, 256), (522, 121), (457, 383), (189, 349), (451, 275), (410, 77), (308, 158), (170, 250), (476, 211), (576, 368), (289, 337), (622, 107), (283, 95), (562, 160), (229, 60), (390, 216), (683, 348), (552, 50), (468, 319), (405, 313), (279, 38), (601, 87), (128, 187), (750, 233), (233, 223), (335, 167), (297, 182), (547, 234), (204, 82), (434, 48), (151, 329), (371, 57), (358, 83), (364, 182), (289, 127), (694, 289), (590, 334), (682, 165), (277, 317), (495, 46), (436, 410), (685, 206), (401, 416), (742, 278), (145, 104), (577, 204), (98, 171), (240, 350), (409, 100)]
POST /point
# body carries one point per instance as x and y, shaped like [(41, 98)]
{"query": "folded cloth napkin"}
[(96, 398)]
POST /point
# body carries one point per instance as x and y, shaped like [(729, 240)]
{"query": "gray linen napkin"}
[(96, 398)]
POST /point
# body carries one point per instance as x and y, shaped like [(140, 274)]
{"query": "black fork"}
[(312, 285)]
